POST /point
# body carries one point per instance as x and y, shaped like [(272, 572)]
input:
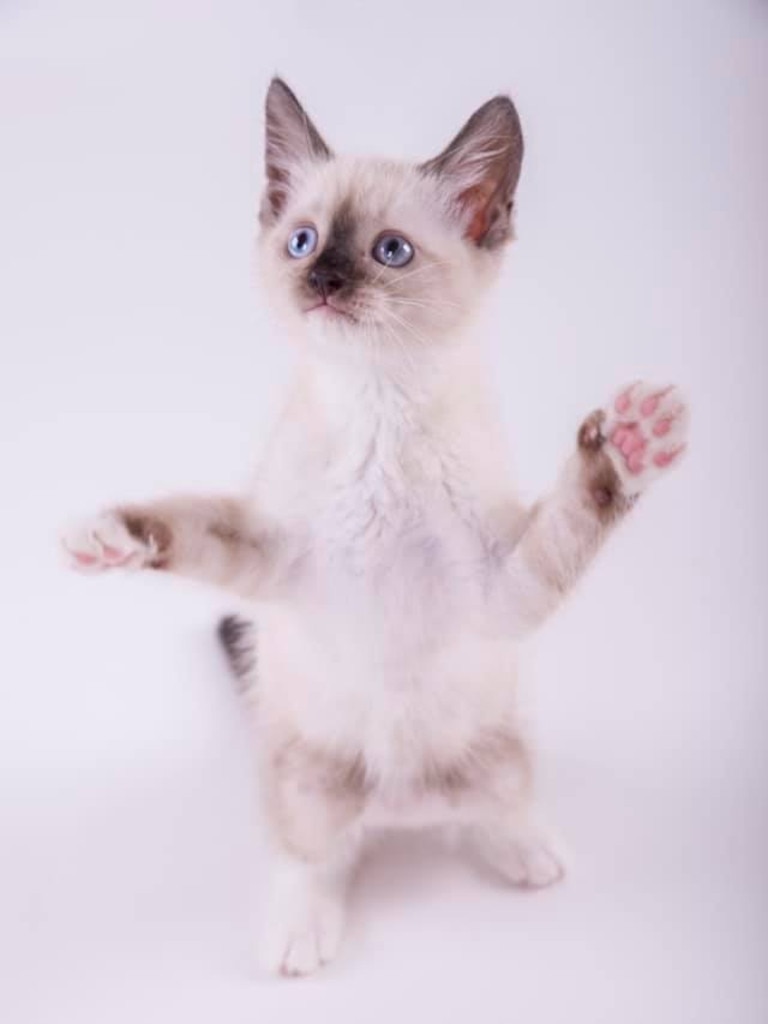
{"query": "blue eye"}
[(302, 242), (392, 250)]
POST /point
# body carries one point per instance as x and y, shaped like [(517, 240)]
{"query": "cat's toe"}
[(527, 857), (300, 945), (532, 865)]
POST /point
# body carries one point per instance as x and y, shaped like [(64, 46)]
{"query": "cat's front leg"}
[(621, 450), (212, 539)]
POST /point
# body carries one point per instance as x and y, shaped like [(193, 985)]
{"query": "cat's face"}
[(383, 253)]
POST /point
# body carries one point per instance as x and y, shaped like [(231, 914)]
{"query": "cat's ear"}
[(292, 141), (480, 169)]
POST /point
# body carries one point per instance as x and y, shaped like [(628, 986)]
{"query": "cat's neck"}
[(350, 417), (416, 387), (410, 423)]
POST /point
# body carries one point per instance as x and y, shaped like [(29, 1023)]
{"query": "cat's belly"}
[(393, 645), (400, 685)]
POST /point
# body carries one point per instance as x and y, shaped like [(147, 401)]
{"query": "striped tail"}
[(238, 638)]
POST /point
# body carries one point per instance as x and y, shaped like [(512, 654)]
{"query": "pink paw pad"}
[(633, 441), (114, 555), (648, 429), (635, 462), (623, 402), (664, 459), (82, 559), (649, 406)]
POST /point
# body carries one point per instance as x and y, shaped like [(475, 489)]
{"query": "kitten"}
[(393, 570)]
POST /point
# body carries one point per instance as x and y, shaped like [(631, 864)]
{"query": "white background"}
[(136, 359)]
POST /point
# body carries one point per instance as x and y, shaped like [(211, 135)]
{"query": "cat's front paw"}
[(107, 541), (643, 432)]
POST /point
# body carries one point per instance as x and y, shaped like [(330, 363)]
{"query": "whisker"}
[(413, 273), (423, 303), (408, 327)]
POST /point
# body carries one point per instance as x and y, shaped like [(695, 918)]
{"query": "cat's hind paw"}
[(525, 858), (296, 944)]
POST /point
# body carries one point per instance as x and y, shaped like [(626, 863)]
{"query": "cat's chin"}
[(327, 313)]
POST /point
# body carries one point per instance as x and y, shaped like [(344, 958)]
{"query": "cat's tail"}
[(238, 638)]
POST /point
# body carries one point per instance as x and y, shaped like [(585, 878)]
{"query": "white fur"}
[(391, 614), (393, 569)]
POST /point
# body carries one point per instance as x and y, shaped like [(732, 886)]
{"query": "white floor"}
[(135, 359)]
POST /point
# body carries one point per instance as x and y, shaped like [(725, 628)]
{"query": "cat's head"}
[(375, 252)]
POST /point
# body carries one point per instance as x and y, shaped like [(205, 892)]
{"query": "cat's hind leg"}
[(518, 849), (505, 832), (314, 799)]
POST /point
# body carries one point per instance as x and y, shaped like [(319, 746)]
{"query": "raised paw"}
[(105, 542), (643, 431)]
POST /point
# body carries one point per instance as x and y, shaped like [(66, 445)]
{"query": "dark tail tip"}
[(238, 638)]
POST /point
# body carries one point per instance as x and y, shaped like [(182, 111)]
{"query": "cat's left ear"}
[(480, 169), (292, 141)]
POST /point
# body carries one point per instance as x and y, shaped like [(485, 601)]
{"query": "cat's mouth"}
[(327, 309)]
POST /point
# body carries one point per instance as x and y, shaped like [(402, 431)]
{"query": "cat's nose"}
[(325, 280)]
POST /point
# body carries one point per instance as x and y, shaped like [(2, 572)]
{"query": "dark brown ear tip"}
[(503, 101), (507, 111), (280, 93), (278, 84), (502, 106), (499, 115)]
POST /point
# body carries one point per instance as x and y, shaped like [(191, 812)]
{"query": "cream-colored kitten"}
[(392, 569)]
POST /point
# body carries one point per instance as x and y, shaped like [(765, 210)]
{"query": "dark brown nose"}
[(326, 280)]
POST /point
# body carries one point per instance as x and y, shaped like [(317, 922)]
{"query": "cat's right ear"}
[(292, 141)]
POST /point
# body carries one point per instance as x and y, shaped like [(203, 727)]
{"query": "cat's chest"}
[(390, 524), (395, 574), (387, 507)]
